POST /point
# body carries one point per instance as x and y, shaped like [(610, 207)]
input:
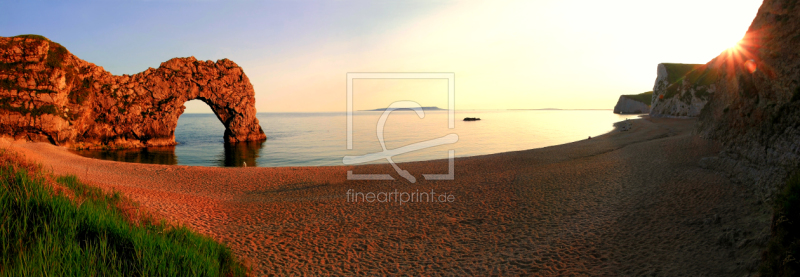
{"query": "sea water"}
[(320, 139)]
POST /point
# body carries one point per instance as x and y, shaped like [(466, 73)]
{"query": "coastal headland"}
[(50, 95)]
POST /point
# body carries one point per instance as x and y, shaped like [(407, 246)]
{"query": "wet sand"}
[(631, 202)]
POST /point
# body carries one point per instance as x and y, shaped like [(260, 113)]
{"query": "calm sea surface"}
[(320, 139)]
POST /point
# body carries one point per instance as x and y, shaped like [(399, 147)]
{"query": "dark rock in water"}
[(48, 94), (471, 119)]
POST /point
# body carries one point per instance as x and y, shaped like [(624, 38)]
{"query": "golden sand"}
[(630, 202)]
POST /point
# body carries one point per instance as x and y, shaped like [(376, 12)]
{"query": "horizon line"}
[(540, 109)]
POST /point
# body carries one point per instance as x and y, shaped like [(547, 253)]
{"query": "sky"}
[(505, 54)]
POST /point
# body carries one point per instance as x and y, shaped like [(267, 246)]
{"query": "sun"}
[(738, 55)]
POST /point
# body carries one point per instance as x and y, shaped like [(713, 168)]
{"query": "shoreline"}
[(614, 128), (622, 203)]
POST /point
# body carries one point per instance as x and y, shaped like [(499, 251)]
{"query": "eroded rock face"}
[(682, 90), (756, 109), (48, 94)]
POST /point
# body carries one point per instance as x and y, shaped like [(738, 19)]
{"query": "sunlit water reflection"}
[(320, 139)]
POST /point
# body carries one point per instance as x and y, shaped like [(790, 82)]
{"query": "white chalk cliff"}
[(627, 105), (682, 90)]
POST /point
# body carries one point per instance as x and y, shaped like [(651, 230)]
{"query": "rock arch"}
[(51, 95), (222, 85)]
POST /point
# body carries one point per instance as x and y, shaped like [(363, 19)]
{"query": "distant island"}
[(432, 108)]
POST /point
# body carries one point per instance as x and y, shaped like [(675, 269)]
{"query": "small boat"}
[(472, 118)]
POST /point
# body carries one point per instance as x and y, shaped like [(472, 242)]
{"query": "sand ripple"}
[(625, 203)]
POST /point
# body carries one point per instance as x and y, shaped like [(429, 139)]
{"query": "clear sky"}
[(505, 55)]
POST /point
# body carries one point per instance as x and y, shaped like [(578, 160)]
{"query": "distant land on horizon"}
[(431, 108)]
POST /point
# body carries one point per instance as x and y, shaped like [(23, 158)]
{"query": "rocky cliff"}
[(633, 104), (756, 109), (682, 90), (48, 94)]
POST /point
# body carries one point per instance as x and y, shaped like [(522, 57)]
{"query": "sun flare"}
[(738, 55)]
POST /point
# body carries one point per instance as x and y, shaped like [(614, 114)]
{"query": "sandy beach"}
[(634, 202)]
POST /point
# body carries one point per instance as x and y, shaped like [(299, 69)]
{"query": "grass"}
[(31, 36), (58, 226), (676, 71), (697, 75), (703, 76), (783, 250), (55, 54), (644, 97)]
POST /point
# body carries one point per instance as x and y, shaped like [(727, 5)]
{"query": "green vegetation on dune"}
[(63, 227), (644, 97), (697, 76), (677, 70), (703, 76), (782, 257)]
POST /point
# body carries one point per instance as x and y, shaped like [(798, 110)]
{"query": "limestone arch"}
[(55, 96), (159, 95)]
